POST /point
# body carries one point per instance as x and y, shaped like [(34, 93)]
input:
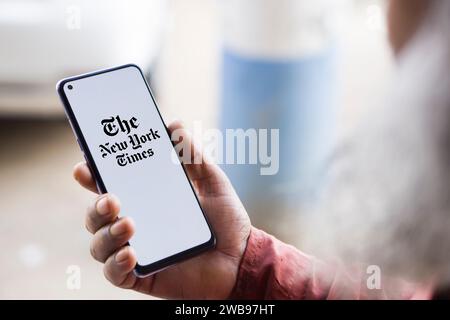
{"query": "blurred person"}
[(387, 203)]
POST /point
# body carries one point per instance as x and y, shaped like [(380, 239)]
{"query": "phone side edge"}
[(78, 133)]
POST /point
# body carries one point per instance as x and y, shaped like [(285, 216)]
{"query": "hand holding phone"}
[(210, 275), (128, 151)]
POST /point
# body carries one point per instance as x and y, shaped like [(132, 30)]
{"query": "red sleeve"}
[(271, 269)]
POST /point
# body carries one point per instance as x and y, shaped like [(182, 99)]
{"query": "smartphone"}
[(128, 148)]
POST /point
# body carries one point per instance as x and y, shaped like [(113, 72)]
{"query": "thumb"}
[(198, 167)]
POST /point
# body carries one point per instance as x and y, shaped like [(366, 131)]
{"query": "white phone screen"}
[(133, 154)]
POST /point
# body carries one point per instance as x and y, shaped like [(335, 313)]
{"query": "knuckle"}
[(109, 273), (88, 224), (90, 212), (93, 251), (97, 248)]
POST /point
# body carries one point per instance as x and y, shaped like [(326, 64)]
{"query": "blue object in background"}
[(295, 96)]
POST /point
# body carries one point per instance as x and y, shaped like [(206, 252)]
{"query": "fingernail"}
[(102, 206), (122, 255), (118, 228)]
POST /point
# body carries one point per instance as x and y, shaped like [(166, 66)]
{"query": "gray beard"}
[(388, 198)]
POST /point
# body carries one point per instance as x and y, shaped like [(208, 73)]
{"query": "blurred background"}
[(308, 68)]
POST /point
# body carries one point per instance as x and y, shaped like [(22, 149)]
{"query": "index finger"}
[(83, 175)]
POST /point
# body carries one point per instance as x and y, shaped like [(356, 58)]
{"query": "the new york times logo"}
[(133, 148)]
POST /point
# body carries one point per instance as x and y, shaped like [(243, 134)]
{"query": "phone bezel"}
[(139, 270)]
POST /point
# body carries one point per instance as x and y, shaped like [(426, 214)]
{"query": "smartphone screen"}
[(129, 150)]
